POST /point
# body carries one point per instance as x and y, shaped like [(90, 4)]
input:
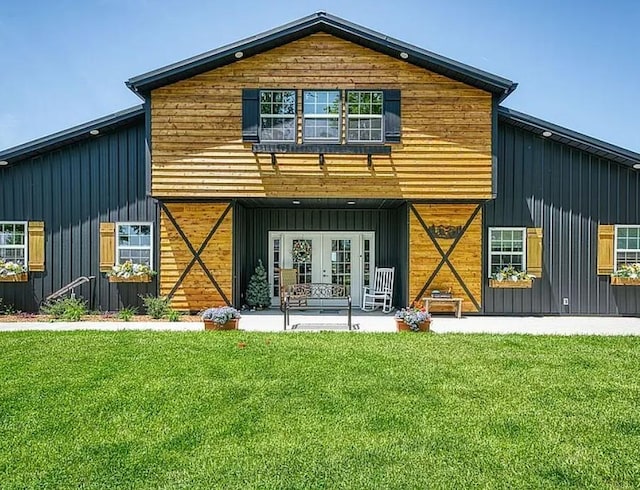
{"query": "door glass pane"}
[(302, 255), (276, 267), (341, 263), (366, 273)]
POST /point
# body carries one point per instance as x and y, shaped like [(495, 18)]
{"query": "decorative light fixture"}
[(635, 165), (238, 54), (404, 55), (94, 132), (351, 203), (295, 202), (4, 162), (546, 134)]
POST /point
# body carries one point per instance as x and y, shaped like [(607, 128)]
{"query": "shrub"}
[(126, 314), (173, 315), (6, 309), (156, 306), (68, 309)]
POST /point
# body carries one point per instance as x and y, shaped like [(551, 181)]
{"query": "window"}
[(321, 115), (278, 115), (507, 248), (134, 243), (627, 245), (13, 242), (364, 116)]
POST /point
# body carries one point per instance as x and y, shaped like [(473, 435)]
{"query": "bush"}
[(173, 315), (6, 309), (68, 309), (126, 314), (156, 306)]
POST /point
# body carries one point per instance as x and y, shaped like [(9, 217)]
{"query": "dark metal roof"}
[(571, 138), (321, 22), (71, 135)]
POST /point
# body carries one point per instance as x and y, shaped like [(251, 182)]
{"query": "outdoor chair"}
[(380, 293), (288, 279)]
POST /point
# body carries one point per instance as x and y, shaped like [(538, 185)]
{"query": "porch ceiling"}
[(320, 203)]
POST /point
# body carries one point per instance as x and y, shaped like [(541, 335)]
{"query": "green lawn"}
[(335, 410)]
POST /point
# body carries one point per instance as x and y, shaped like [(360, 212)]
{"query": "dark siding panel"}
[(72, 190), (568, 193), (390, 226)]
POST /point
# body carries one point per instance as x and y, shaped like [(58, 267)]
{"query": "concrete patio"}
[(273, 321)]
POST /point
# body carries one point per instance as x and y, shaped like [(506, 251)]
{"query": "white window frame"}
[(25, 245), (616, 249), (524, 246), (134, 247), (327, 117), (293, 116), (363, 116)]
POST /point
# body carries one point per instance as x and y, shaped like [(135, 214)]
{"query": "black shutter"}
[(392, 119), (250, 114)]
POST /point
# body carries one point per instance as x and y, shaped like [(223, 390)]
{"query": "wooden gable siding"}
[(465, 259), (195, 291), (196, 127)]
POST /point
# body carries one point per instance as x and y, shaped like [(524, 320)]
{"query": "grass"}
[(250, 410)]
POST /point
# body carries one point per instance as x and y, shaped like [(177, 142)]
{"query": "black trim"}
[(494, 146), (569, 137), (321, 22), (392, 116), (328, 149), (147, 147), (250, 115), (71, 135)]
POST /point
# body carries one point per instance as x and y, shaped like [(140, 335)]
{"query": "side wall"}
[(73, 190), (254, 224), (567, 193)]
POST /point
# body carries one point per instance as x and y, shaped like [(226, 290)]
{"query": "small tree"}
[(258, 293)]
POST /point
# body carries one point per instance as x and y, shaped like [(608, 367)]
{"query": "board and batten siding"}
[(568, 193), (72, 190), (196, 128)]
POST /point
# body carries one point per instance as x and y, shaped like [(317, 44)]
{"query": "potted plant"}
[(130, 272), (626, 275), (12, 271), (510, 277), (220, 318), (258, 291), (413, 319)]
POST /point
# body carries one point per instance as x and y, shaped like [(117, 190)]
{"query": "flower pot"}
[(22, 277), (230, 325), (142, 278), (404, 327)]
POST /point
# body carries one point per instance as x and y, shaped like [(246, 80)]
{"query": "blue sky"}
[(64, 62)]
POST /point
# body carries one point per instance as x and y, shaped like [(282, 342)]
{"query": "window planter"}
[(142, 278), (625, 281), (508, 284), (230, 325), (22, 277)]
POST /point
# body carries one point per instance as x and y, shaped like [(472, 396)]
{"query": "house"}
[(358, 149)]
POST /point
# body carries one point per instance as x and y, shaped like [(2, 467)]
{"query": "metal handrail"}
[(70, 287)]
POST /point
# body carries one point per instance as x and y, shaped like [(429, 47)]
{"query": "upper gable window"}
[(278, 115), (364, 116), (321, 116)]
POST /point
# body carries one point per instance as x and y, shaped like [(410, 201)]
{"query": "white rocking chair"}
[(381, 291)]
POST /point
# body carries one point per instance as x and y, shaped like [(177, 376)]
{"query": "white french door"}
[(340, 258)]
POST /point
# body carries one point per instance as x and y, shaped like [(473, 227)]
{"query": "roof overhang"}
[(321, 22), (569, 137), (87, 130)]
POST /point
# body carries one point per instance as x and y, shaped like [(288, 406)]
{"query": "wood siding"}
[(196, 127), (195, 291), (466, 258)]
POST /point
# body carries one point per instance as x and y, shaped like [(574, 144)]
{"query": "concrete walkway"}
[(272, 321)]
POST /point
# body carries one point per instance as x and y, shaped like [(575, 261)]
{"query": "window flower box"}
[(626, 275), (19, 277), (511, 278), (130, 272)]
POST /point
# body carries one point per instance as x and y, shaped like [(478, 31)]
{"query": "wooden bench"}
[(300, 294), (435, 300)]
